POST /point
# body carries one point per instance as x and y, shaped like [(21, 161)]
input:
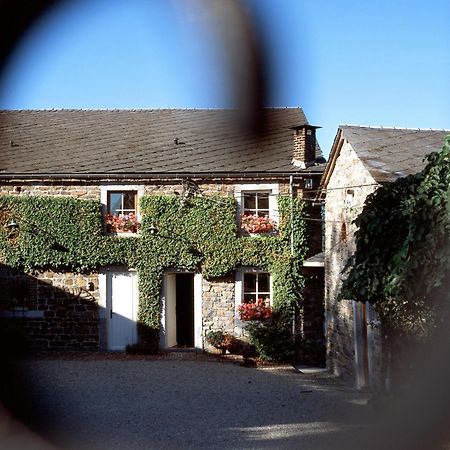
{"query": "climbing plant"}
[(402, 249), (199, 235)]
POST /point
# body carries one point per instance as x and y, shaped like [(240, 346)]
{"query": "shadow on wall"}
[(42, 316)]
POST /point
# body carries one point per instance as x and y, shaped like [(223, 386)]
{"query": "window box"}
[(122, 223), (258, 310), (254, 224)]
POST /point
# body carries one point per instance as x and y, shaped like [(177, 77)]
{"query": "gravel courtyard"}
[(171, 404)]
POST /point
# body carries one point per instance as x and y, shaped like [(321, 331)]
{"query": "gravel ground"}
[(139, 403)]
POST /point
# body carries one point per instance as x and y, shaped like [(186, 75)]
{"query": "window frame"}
[(124, 210), (105, 192), (239, 294), (272, 189)]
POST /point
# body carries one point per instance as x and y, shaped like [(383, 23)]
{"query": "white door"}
[(121, 309)]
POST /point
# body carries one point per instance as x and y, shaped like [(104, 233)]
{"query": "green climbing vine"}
[(199, 235), (403, 249)]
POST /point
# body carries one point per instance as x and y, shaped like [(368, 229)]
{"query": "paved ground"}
[(169, 404)]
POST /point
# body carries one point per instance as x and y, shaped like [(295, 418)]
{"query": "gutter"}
[(115, 176)]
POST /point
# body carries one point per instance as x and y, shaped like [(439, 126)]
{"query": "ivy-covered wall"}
[(67, 234)]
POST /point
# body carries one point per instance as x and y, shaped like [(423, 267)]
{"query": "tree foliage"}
[(401, 262)]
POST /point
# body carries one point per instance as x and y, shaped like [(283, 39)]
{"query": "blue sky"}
[(350, 62)]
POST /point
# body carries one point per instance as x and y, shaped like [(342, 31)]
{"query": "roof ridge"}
[(140, 109), (381, 127)]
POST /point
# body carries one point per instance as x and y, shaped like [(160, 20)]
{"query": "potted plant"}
[(221, 341)]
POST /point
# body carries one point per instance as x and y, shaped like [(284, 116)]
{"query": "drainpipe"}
[(291, 193)]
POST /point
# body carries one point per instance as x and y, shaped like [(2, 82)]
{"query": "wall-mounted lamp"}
[(308, 183), (153, 230), (12, 225), (13, 228)]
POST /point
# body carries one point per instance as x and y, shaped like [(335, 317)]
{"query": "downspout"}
[(291, 194)]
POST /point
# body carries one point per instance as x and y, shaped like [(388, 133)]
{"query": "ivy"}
[(198, 235), (402, 248)]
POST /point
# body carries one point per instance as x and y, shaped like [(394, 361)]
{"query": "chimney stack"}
[(304, 145)]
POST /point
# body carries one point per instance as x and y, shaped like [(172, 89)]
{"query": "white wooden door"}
[(122, 309)]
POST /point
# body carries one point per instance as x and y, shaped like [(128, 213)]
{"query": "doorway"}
[(181, 311), (121, 309)]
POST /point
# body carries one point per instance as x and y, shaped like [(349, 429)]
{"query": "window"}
[(256, 204), (258, 212), (120, 205), (256, 287), (253, 296)]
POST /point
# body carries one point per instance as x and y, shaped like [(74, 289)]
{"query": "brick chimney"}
[(304, 145)]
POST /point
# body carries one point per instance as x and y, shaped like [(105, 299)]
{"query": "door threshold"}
[(181, 350)]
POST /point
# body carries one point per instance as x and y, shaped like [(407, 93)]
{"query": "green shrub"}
[(273, 339)]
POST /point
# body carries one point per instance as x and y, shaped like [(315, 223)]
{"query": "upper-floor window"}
[(121, 203), (257, 206), (121, 209), (256, 203)]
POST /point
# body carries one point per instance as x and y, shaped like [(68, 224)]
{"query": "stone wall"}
[(218, 297), (50, 310), (63, 319), (348, 187)]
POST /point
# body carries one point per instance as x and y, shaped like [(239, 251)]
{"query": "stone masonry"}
[(348, 187), (63, 314), (51, 311)]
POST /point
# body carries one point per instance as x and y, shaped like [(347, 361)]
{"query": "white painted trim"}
[(198, 311), (102, 293), (239, 294), (104, 189), (272, 188), (313, 264)]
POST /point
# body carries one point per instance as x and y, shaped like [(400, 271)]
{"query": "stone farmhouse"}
[(362, 158), (122, 162)]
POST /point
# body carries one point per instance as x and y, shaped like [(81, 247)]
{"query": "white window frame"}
[(239, 294), (272, 189), (104, 190)]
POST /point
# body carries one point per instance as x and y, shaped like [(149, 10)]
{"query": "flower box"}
[(255, 311), (256, 224), (122, 223)]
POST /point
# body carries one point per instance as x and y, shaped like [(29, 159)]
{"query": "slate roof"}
[(391, 153), (153, 141)]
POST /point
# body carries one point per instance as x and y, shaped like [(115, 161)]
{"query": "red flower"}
[(255, 311), (257, 224), (122, 223)]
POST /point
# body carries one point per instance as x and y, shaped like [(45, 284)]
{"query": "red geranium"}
[(255, 311), (257, 224), (122, 223)]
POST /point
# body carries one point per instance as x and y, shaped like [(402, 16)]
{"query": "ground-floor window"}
[(253, 295), (256, 287)]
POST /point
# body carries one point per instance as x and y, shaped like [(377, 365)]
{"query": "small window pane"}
[(249, 201), (263, 283), (249, 298), (263, 201), (114, 203), (128, 200), (249, 282)]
